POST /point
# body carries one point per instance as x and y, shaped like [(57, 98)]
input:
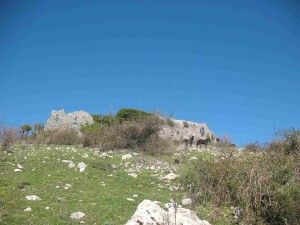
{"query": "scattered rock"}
[(105, 155), (77, 215), (170, 176), (85, 155), (130, 199), (193, 158), (126, 156), (66, 161), (19, 166), (33, 197), (28, 209), (134, 175), (72, 165), (81, 166), (67, 186), (186, 201), (17, 170)]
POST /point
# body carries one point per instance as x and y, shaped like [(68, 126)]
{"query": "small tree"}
[(26, 128)]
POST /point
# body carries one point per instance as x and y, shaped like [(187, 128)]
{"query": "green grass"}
[(44, 170)]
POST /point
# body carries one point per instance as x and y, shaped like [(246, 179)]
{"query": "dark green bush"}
[(91, 127), (105, 119), (128, 114)]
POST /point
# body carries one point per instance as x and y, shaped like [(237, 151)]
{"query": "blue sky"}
[(232, 64)]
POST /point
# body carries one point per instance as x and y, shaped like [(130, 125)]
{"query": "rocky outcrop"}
[(178, 130), (150, 213), (61, 120)]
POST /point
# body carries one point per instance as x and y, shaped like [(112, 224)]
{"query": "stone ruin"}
[(178, 130), (61, 120)]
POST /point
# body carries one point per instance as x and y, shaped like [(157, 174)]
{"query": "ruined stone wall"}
[(61, 120), (178, 131)]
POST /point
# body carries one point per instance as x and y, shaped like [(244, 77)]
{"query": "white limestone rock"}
[(186, 201), (28, 209), (170, 176), (105, 155), (77, 215), (72, 165), (150, 213), (81, 166), (32, 197), (126, 156)]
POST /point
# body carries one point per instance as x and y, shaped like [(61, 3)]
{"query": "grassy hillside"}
[(256, 185)]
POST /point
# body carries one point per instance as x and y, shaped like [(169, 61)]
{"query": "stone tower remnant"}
[(61, 120), (182, 129)]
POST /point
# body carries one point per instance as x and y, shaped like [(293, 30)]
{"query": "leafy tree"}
[(128, 114), (26, 128)]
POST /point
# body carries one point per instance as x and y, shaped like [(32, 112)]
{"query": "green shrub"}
[(90, 127), (185, 124), (170, 122), (265, 187), (105, 119), (289, 140), (212, 137), (141, 136), (128, 114), (253, 147)]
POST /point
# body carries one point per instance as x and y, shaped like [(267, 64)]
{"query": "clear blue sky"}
[(234, 65)]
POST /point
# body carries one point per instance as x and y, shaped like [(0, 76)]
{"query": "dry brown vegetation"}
[(265, 186), (8, 136)]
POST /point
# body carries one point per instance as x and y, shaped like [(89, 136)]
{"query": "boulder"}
[(148, 212)]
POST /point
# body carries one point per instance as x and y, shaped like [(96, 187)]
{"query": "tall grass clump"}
[(265, 186), (58, 137), (8, 136)]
